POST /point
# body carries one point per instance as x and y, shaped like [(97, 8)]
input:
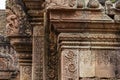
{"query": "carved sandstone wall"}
[(2, 22)]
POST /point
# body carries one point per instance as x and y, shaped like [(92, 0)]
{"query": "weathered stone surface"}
[(105, 63), (86, 63), (25, 72), (117, 72), (117, 4), (93, 4), (38, 54), (17, 23), (82, 31), (69, 64), (2, 22)]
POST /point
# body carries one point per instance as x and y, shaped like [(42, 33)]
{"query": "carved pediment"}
[(17, 23)]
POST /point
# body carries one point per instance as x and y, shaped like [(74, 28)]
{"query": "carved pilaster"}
[(25, 72), (38, 53), (52, 55), (25, 66)]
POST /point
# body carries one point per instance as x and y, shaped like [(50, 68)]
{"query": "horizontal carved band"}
[(90, 36)]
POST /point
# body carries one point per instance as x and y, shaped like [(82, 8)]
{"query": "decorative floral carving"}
[(12, 24), (17, 23), (52, 58), (69, 65), (72, 67), (65, 4)]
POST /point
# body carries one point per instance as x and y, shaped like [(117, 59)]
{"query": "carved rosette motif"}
[(69, 65), (17, 23)]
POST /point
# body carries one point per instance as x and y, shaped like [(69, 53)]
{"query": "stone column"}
[(25, 66), (38, 51)]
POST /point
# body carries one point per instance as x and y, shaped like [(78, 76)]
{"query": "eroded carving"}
[(69, 65), (117, 5), (93, 4), (65, 4), (105, 63), (52, 57), (87, 63), (108, 6), (16, 19), (26, 72)]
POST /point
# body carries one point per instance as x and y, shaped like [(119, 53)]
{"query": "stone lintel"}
[(79, 15)]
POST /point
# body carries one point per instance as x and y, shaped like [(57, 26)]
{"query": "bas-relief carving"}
[(108, 6), (17, 22), (65, 3), (73, 3), (93, 4), (8, 58), (69, 65), (53, 58), (89, 63)]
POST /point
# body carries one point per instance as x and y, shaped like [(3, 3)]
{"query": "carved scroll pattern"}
[(69, 65), (17, 22)]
